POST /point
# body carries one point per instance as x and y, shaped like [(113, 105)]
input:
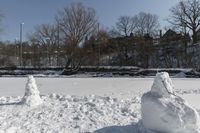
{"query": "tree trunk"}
[(194, 37)]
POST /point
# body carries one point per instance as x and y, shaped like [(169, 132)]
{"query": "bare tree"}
[(186, 14), (77, 23), (125, 25), (146, 23), (46, 36)]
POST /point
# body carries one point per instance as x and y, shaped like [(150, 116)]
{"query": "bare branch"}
[(77, 22), (125, 25), (146, 23), (186, 14)]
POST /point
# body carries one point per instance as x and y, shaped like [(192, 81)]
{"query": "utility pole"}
[(21, 29)]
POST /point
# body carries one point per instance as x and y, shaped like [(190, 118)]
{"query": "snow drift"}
[(163, 111), (32, 95)]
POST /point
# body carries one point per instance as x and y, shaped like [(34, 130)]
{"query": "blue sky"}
[(36, 12)]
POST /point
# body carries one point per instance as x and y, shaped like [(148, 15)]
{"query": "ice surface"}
[(32, 95), (163, 111)]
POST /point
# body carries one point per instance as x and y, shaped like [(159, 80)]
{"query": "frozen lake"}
[(117, 87)]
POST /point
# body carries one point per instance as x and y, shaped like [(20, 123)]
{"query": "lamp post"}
[(21, 26)]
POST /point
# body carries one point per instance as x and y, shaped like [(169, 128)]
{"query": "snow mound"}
[(32, 95), (163, 111), (180, 75)]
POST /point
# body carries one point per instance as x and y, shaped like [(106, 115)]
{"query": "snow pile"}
[(32, 95), (163, 111), (70, 114), (180, 75)]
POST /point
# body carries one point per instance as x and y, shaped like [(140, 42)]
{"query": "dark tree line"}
[(77, 38)]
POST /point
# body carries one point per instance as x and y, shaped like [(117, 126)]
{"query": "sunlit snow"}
[(81, 105)]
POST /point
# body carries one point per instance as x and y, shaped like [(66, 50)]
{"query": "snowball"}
[(32, 95), (163, 111)]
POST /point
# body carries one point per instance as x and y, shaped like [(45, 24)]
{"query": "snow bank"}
[(163, 111), (32, 95)]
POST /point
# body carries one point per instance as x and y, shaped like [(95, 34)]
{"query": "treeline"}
[(78, 39)]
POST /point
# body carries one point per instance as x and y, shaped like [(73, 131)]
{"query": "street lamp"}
[(21, 26)]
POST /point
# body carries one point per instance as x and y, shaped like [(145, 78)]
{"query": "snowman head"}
[(31, 79), (162, 84)]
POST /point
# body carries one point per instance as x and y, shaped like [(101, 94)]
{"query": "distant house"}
[(171, 37)]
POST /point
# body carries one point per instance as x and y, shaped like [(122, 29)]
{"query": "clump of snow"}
[(32, 95), (180, 75), (163, 111)]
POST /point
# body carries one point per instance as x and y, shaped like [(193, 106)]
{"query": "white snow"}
[(68, 114), (32, 95), (82, 105), (162, 84), (163, 111)]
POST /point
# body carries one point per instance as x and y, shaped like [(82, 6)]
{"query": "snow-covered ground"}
[(80, 105)]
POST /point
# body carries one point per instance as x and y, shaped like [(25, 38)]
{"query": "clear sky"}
[(36, 12)]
